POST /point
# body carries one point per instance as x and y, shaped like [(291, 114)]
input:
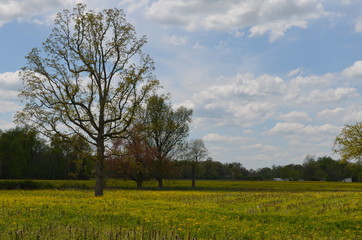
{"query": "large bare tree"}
[(88, 79)]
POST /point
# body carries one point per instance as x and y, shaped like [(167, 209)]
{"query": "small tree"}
[(349, 142), (88, 79), (166, 130), (134, 158), (195, 152)]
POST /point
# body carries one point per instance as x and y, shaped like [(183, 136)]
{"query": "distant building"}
[(347, 180), (280, 179)]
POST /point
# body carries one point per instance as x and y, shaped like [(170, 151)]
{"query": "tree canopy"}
[(349, 142), (166, 129), (88, 79)]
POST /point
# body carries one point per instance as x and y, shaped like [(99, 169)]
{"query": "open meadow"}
[(215, 210)]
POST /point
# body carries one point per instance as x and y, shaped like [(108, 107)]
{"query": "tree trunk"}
[(99, 169), (139, 183), (193, 185), (160, 183)]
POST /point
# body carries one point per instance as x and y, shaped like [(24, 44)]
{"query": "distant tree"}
[(292, 172), (166, 131), (88, 79), (349, 142), (236, 171), (212, 169), (329, 169), (134, 158), (310, 168), (265, 173), (195, 152), (72, 158), (22, 154)]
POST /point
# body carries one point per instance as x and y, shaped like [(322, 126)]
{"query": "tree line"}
[(25, 155)]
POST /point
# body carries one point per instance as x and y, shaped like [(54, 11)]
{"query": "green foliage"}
[(21, 153), (349, 142), (166, 130)]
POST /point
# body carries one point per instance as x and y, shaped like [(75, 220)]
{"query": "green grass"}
[(226, 210)]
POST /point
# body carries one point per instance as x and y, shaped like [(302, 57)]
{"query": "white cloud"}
[(331, 113), (133, 5), (244, 85), (30, 9), (345, 2), (44, 11), (259, 147), (354, 71), (340, 115), (276, 29), (295, 72), (8, 106), (263, 16), (9, 79), (4, 125), (8, 95), (299, 129), (352, 115), (175, 40), (358, 26), (329, 95), (295, 116), (215, 137)]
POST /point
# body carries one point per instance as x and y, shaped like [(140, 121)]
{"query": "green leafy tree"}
[(22, 154), (166, 130), (349, 142), (88, 79), (71, 158)]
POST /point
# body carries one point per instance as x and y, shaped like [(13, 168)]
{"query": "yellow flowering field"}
[(181, 214)]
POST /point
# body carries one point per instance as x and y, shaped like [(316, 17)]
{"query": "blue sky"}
[(270, 81)]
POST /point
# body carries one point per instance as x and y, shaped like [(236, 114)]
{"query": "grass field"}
[(217, 210)]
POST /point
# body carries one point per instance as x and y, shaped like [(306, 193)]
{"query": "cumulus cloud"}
[(30, 9), (9, 107), (244, 85), (133, 5), (259, 147), (246, 100), (354, 71), (329, 95), (358, 25), (295, 72), (8, 94), (9, 79), (297, 128), (331, 113), (44, 11), (175, 40), (215, 137), (296, 116), (262, 16)]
